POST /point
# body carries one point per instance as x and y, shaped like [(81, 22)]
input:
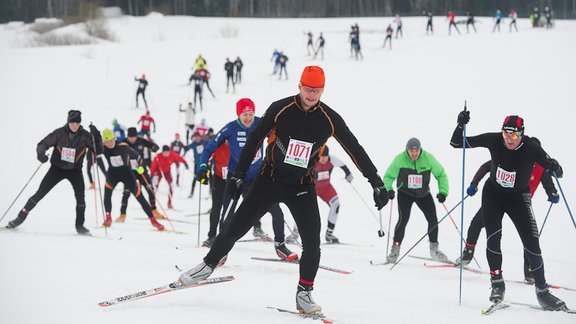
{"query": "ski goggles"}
[(311, 90), (511, 134)]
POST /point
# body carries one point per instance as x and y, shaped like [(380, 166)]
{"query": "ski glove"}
[(233, 187), (202, 176), (380, 197), (43, 158), (391, 194), (154, 148), (554, 198), (555, 168), (441, 198), (463, 117), (349, 177), (471, 191)]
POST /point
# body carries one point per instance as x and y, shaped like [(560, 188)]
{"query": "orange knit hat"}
[(312, 76)]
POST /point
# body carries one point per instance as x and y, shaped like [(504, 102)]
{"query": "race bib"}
[(200, 149), (146, 123), (323, 175), (415, 181), (116, 161), (133, 164), (68, 154), (505, 178), (298, 153), (224, 172)]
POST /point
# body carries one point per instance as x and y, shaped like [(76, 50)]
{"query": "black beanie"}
[(165, 148), (132, 132), (74, 116), (513, 123), (413, 143)]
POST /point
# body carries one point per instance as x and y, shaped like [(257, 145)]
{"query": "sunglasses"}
[(311, 90), (511, 134)]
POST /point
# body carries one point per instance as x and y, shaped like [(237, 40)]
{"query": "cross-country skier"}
[(470, 20), (229, 68), (513, 15), (161, 168), (412, 171), (507, 190), (70, 143), (320, 42), (197, 146), (451, 17), (141, 91), (327, 193), (239, 65), (389, 32), (236, 133), (190, 120), (198, 80), (283, 59), (276, 59), (147, 121), (498, 16), (398, 22), (429, 26), (310, 43), (118, 129), (177, 146), (297, 128), (122, 160)]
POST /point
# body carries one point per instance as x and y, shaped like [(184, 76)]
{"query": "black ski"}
[(297, 261)]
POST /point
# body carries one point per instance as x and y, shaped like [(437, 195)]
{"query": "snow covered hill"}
[(49, 274)]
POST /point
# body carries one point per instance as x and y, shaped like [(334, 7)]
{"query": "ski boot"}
[(436, 254), (198, 273), (259, 233), (394, 253), (16, 222), (120, 218), (283, 252), (81, 230), (108, 220), (467, 255), (330, 238), (498, 287), (548, 301), (155, 223), (157, 214), (304, 302), (209, 241), (528, 275)]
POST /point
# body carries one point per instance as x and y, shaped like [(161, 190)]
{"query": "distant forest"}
[(28, 10)]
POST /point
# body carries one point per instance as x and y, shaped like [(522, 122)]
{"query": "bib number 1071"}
[(298, 153)]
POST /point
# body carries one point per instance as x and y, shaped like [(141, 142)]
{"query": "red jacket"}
[(221, 157), (147, 121), (162, 164)]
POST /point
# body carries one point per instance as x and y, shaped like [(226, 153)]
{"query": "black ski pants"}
[(90, 162), (426, 205), (518, 206), (144, 181), (50, 180), (302, 202), (217, 186), (130, 184)]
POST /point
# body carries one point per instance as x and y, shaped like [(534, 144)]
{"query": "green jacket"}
[(413, 177)]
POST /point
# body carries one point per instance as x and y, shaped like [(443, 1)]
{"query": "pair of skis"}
[(505, 304)]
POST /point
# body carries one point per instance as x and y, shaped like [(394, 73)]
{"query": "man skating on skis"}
[(507, 190), (297, 128), (161, 168), (141, 91)]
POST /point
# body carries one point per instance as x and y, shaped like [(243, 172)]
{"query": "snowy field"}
[(49, 274)]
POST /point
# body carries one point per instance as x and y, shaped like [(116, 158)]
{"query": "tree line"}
[(28, 10)]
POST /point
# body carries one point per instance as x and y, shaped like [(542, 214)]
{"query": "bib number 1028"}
[(298, 153)]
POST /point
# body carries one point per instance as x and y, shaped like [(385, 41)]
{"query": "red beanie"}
[(312, 76), (244, 105)]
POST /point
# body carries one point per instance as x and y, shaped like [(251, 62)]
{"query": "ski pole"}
[(545, 218), (462, 208), (564, 198), (294, 234), (423, 236), (99, 184), (230, 210), (199, 209), (460, 233), (94, 165), (158, 202), (22, 190), (364, 201), (389, 226)]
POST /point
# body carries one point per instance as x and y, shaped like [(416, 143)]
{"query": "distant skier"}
[(470, 20), (412, 170), (70, 143), (197, 147), (200, 63), (118, 129), (451, 17), (548, 16), (177, 146), (389, 32), (190, 120), (147, 121), (142, 85), (326, 192), (239, 65), (276, 59), (205, 77), (355, 48), (122, 161), (229, 68), (398, 22), (429, 26), (498, 16), (161, 168), (198, 80), (282, 60), (310, 43), (320, 42), (535, 17), (513, 15), (201, 128)]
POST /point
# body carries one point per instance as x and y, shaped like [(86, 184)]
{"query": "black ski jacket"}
[(69, 148)]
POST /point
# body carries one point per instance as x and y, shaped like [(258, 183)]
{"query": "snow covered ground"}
[(48, 274)]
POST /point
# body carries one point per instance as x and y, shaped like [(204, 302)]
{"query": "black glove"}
[(471, 191), (441, 198), (554, 167), (202, 176), (42, 158), (187, 166), (154, 148), (380, 197), (233, 187), (391, 194), (463, 117), (554, 198), (95, 133)]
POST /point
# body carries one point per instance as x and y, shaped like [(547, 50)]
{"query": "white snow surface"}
[(50, 275)]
